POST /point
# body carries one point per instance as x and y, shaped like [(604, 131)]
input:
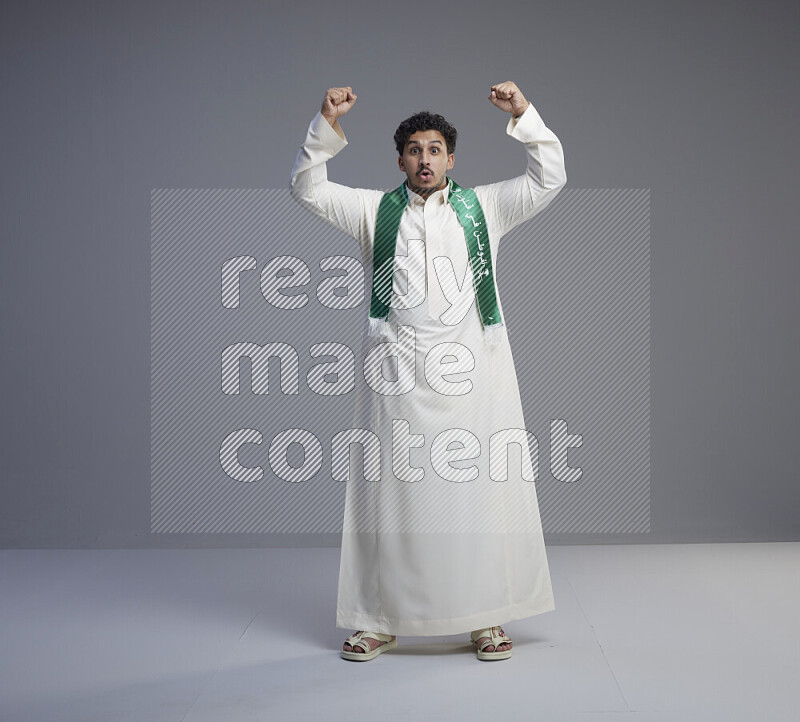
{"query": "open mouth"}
[(425, 174)]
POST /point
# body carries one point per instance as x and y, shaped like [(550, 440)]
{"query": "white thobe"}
[(444, 541)]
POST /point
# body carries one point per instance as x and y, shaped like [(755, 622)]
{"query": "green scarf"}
[(465, 203)]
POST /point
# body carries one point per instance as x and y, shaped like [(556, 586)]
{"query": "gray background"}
[(103, 101)]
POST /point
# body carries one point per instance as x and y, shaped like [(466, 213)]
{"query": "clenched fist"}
[(508, 97), (337, 102)]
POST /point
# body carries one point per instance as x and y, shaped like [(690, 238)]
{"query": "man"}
[(432, 547)]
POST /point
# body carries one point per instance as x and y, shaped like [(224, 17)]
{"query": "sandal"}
[(357, 640), (495, 639)]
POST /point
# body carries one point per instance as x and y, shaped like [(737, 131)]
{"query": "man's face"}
[(425, 161)]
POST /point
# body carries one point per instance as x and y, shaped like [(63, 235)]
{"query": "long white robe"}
[(442, 543)]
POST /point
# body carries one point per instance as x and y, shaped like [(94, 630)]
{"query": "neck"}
[(426, 192)]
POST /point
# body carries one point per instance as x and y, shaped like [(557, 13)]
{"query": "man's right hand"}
[(337, 102)]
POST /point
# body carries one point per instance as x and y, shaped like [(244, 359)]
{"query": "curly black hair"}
[(425, 121)]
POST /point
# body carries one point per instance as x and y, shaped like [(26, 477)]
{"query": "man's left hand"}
[(508, 97)]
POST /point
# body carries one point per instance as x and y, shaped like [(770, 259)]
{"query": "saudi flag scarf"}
[(470, 214)]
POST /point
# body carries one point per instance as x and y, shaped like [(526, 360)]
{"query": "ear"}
[(400, 163), (451, 159)]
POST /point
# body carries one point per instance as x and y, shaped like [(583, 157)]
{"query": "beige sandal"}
[(495, 639), (357, 640)]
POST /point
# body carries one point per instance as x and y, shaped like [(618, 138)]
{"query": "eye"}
[(434, 150)]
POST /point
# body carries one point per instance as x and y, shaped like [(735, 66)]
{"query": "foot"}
[(373, 644), (490, 647)]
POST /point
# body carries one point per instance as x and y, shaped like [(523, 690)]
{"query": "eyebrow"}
[(416, 142)]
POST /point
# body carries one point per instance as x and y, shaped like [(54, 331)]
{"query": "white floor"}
[(646, 632)]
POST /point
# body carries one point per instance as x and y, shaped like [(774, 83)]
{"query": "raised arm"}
[(516, 200), (351, 210)]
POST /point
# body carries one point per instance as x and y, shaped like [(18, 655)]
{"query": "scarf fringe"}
[(378, 327), (494, 333)]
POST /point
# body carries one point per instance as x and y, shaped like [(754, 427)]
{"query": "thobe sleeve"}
[(351, 210), (513, 201)]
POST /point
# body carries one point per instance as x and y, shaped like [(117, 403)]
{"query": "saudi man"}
[(441, 533)]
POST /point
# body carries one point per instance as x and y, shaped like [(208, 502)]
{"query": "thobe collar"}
[(440, 196)]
